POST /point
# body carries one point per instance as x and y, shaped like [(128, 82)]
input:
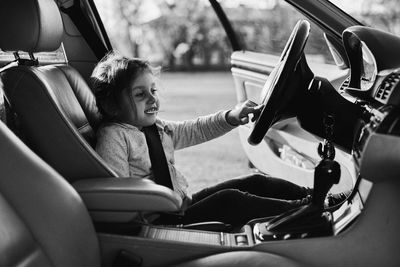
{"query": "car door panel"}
[(287, 151)]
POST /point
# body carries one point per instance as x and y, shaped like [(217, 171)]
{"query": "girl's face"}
[(139, 102)]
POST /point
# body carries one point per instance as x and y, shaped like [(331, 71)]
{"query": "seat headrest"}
[(30, 26)]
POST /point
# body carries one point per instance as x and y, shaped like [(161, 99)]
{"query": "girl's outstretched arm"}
[(192, 132)]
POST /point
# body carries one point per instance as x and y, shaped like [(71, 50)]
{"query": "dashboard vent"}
[(345, 84), (387, 86)]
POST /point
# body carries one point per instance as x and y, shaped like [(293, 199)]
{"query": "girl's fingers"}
[(257, 112), (260, 106), (253, 109), (249, 107), (250, 103), (244, 120)]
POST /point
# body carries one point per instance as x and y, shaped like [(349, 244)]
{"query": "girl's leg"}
[(259, 185), (236, 207)]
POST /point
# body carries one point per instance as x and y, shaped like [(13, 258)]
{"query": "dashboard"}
[(374, 83), (374, 58)]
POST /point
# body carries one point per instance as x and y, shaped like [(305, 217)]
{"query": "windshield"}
[(380, 14)]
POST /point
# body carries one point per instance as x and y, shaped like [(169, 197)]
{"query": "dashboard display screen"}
[(368, 68)]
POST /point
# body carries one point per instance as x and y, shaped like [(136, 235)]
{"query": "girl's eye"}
[(139, 95)]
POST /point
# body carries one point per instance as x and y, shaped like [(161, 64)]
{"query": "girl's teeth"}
[(152, 110)]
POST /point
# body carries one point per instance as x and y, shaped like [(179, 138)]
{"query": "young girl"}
[(127, 97)]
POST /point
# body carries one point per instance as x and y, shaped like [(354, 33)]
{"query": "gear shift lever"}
[(326, 174), (311, 219)]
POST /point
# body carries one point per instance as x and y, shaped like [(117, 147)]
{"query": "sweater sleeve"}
[(192, 132), (112, 147)]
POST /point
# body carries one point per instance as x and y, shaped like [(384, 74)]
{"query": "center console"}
[(243, 237), (158, 245), (377, 144)]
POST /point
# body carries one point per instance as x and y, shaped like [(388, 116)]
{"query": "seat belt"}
[(73, 10), (158, 160)]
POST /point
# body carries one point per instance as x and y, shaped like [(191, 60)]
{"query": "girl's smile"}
[(152, 110)]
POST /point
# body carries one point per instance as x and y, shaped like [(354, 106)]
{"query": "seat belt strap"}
[(73, 10), (158, 160)]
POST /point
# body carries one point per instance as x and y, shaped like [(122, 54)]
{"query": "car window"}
[(265, 26), (186, 35), (178, 35), (381, 14)]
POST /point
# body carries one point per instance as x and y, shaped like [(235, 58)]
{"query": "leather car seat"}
[(56, 109), (57, 115), (43, 221)]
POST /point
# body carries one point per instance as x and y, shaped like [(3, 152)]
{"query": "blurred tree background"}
[(186, 35), (381, 14)]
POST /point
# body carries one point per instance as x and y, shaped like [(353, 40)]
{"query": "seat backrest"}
[(56, 109), (43, 221)]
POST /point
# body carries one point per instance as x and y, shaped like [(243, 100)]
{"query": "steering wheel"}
[(276, 95)]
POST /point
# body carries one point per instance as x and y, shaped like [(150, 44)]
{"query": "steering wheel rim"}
[(274, 90)]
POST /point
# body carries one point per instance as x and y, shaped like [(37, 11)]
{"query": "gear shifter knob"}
[(309, 219), (326, 174)]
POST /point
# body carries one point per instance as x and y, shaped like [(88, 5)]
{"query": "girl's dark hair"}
[(111, 76)]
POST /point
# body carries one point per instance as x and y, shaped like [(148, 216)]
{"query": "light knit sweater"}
[(124, 147)]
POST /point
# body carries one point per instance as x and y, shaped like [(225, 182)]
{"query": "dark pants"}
[(239, 200)]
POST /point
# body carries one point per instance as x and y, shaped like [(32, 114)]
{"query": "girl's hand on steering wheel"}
[(240, 114)]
